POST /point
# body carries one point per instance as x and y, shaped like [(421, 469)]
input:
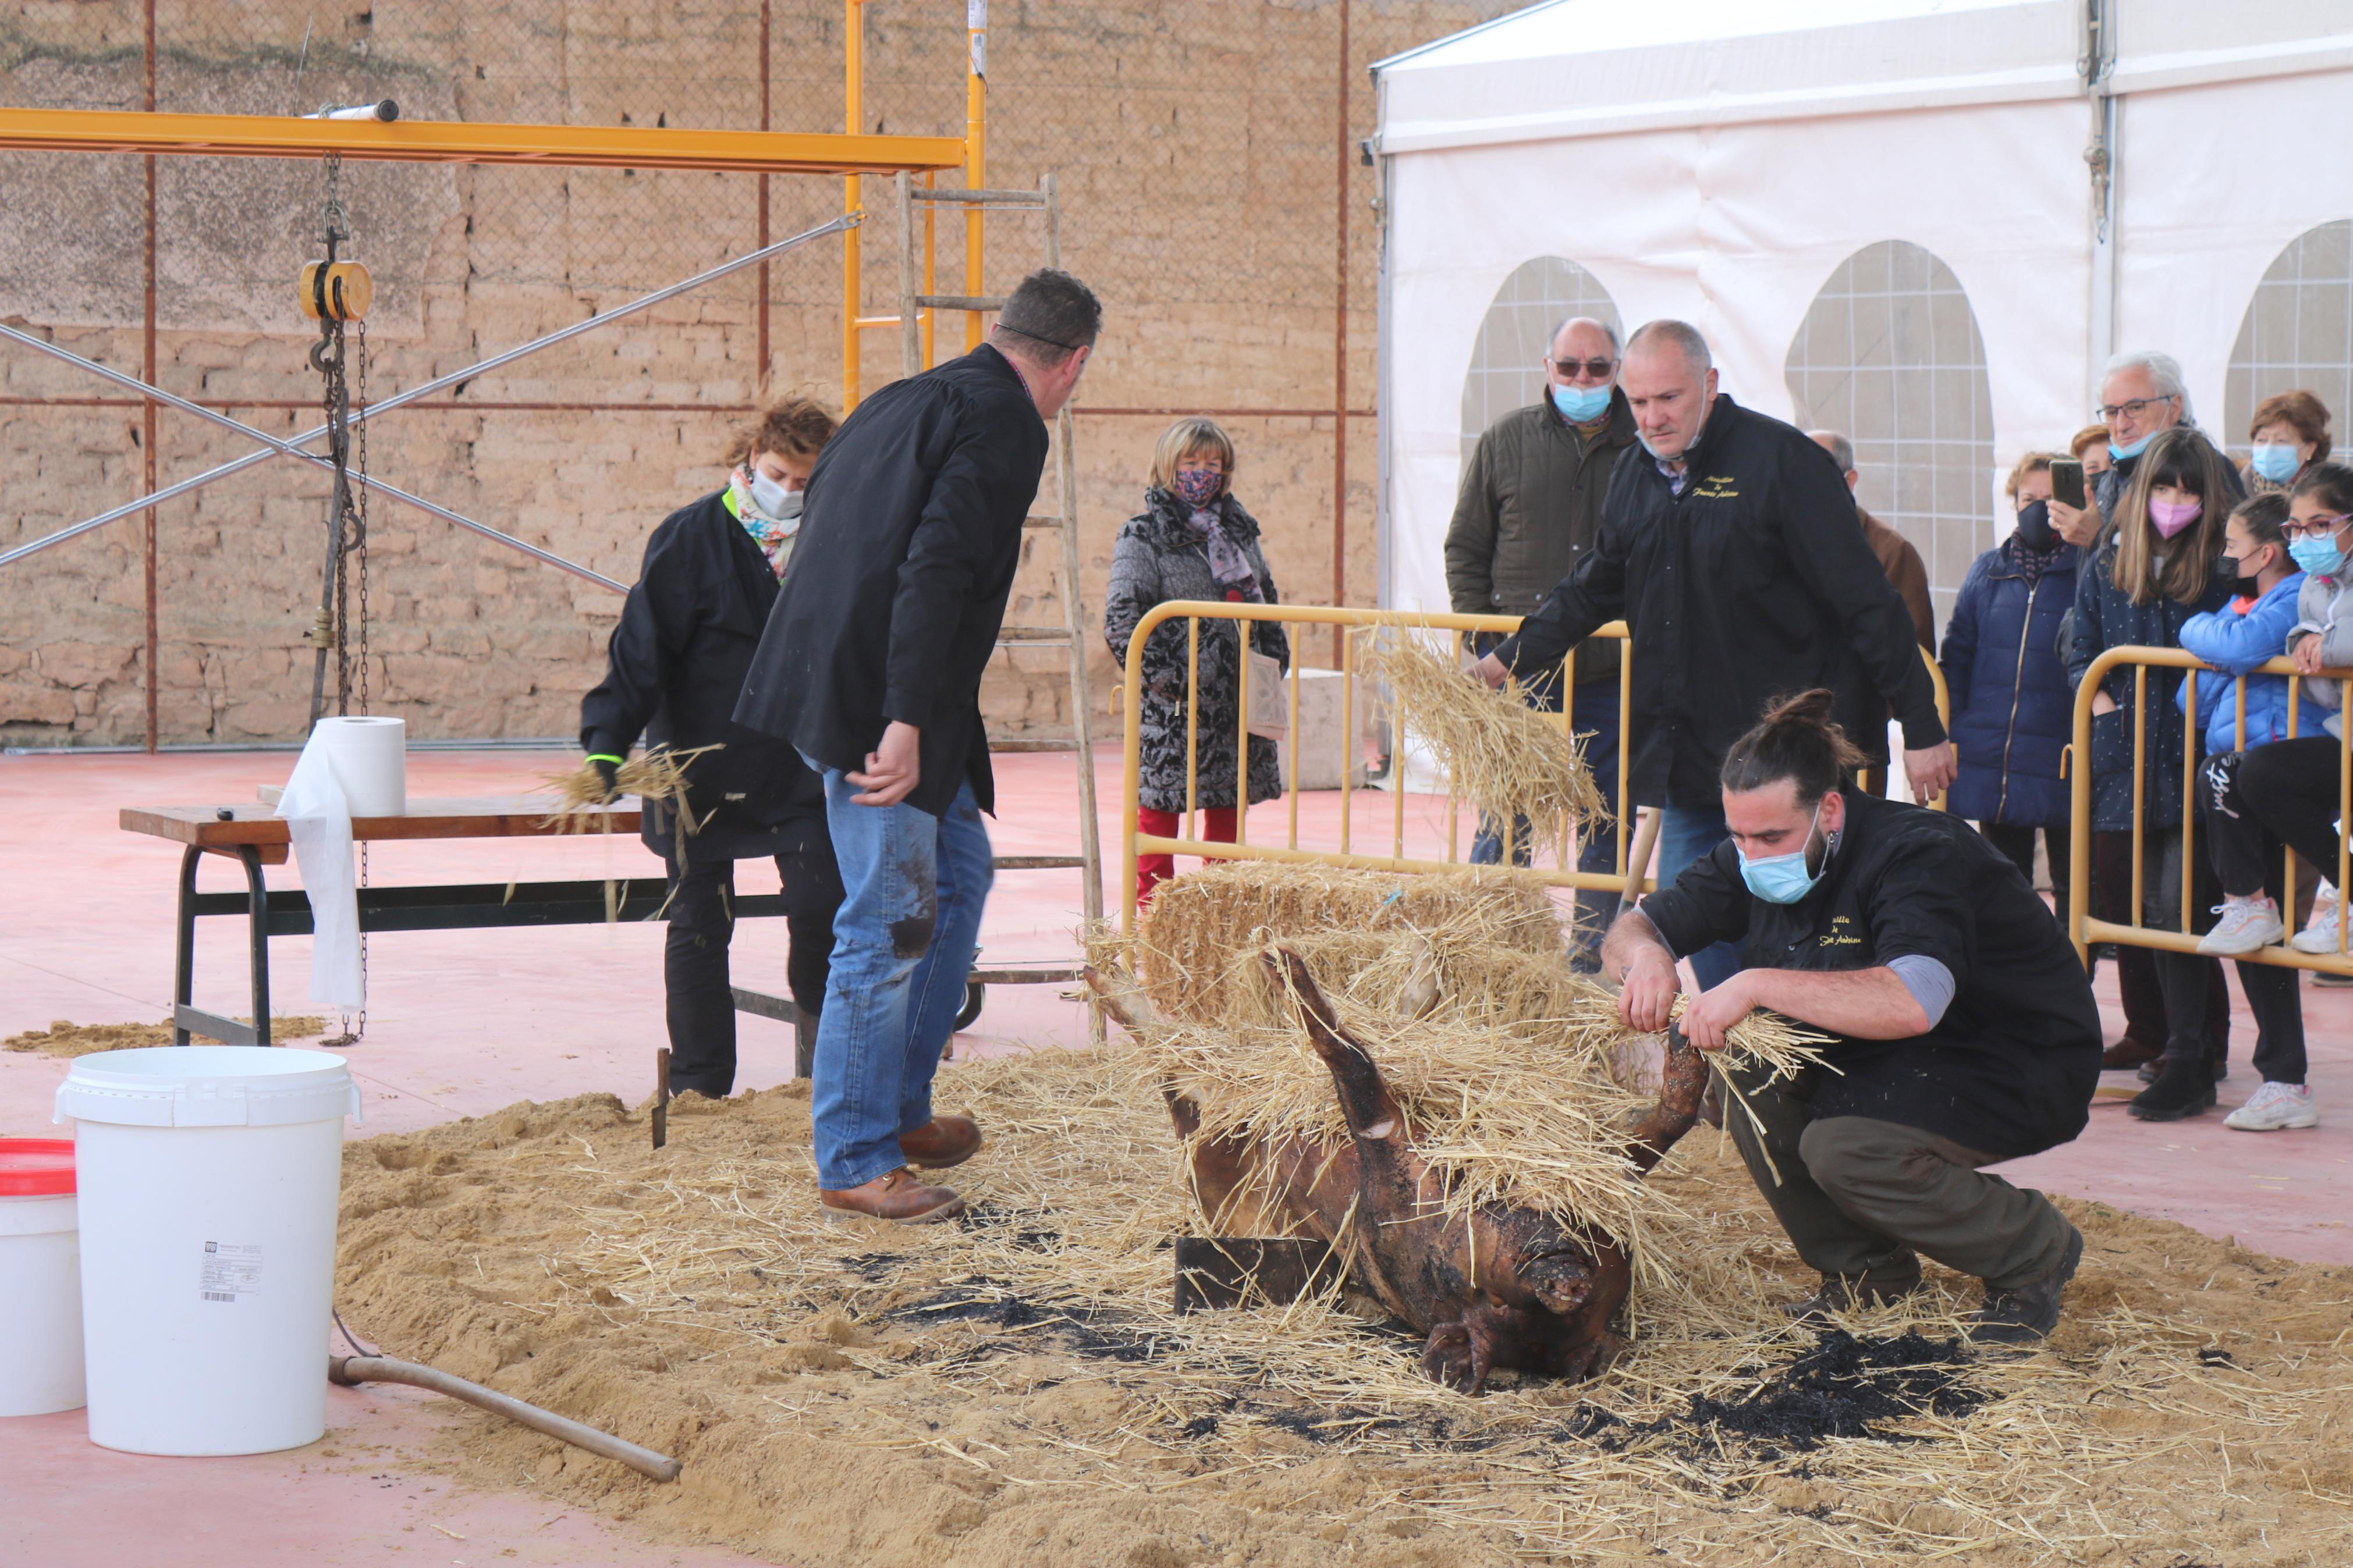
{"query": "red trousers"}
[(1151, 870)]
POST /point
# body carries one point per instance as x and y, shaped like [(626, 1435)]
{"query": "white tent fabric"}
[(1719, 160)]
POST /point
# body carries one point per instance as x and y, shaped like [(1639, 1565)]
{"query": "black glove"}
[(607, 774)]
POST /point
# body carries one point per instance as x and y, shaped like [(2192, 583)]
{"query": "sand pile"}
[(1012, 1391), (65, 1038)]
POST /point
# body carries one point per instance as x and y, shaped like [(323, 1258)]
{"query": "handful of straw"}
[(656, 776), (1510, 761)]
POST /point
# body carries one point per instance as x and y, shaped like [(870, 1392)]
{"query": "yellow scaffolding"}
[(850, 152)]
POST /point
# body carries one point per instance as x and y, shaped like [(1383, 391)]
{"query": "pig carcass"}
[(1500, 1287)]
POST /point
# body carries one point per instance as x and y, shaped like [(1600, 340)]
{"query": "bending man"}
[(1966, 1032), (870, 666)]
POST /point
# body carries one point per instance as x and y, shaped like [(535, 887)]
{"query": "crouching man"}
[(1965, 1030)]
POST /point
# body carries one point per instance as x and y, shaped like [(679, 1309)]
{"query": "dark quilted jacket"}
[(2012, 702), (1157, 558)]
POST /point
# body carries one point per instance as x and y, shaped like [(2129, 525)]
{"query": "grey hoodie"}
[(2324, 608)]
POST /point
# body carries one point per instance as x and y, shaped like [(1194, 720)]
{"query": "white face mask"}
[(772, 501)]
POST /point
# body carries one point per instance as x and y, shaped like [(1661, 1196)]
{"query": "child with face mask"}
[(2155, 572), (1192, 540), (2244, 633)]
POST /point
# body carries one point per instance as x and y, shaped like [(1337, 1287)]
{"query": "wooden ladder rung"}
[(1055, 975), (960, 301), (1038, 521), (1041, 862), (1007, 635)]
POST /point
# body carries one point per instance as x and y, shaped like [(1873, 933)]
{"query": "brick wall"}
[(1194, 142)]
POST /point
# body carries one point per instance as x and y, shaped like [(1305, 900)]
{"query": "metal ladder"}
[(914, 306)]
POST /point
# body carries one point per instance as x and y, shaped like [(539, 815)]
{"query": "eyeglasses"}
[(2318, 528), (1596, 368), (2106, 413)]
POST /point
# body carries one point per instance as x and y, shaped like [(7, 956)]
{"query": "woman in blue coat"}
[(2010, 700)]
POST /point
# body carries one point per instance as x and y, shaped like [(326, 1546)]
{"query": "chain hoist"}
[(336, 293)]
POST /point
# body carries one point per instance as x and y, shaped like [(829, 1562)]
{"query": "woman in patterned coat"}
[(1192, 540)]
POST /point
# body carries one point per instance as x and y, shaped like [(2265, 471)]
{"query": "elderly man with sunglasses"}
[(1530, 506), (2141, 394)]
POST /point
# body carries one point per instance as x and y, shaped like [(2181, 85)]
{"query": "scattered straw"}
[(1508, 759), (657, 776), (1015, 1390)]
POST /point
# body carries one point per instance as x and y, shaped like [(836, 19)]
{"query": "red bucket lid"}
[(36, 1167)]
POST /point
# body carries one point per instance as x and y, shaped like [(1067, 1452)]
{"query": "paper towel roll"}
[(370, 757)]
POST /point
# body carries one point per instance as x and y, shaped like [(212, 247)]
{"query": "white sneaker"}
[(2274, 1106), (2246, 924), (2320, 936)]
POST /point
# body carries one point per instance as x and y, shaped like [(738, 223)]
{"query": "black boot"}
[(2184, 1088), (2027, 1312)]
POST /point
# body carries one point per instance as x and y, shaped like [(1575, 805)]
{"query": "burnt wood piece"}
[(1222, 1271)]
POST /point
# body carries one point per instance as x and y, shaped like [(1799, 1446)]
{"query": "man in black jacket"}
[(675, 666), (1731, 551), (870, 668)]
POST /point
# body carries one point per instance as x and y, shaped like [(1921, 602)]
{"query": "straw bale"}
[(1506, 758)]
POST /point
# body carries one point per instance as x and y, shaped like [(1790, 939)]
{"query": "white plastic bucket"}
[(40, 1278), (208, 1178)]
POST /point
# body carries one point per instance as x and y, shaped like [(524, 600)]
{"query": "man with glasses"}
[(2141, 393), (1529, 507), (1730, 549)]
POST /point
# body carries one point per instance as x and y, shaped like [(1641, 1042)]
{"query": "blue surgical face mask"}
[(1580, 404), (2276, 461), (1783, 879), (2320, 556), (2125, 454)]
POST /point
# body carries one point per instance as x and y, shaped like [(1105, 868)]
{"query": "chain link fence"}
[(1205, 165)]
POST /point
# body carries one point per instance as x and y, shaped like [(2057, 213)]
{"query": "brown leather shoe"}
[(2128, 1052), (895, 1194), (942, 1141)]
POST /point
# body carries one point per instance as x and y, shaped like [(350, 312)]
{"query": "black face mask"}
[(2228, 569), (2034, 529)]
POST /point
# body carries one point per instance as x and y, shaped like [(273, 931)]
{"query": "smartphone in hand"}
[(2067, 482)]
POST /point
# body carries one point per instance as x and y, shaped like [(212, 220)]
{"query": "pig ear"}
[(1289, 972), (1123, 996)]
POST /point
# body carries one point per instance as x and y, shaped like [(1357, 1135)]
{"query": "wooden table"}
[(255, 836)]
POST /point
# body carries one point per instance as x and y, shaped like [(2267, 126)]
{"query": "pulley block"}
[(336, 291)]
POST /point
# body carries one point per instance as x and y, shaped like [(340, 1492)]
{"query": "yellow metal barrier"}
[(1134, 843), (2082, 929)]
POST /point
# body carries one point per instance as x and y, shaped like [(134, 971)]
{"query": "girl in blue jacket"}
[(2247, 855), (2242, 635)]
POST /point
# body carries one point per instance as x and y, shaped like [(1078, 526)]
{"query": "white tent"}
[(1883, 214)]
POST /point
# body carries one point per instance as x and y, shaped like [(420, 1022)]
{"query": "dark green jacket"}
[(1529, 507)]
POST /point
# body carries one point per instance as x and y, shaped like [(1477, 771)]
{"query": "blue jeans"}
[(914, 885), (1596, 717), (1687, 833)]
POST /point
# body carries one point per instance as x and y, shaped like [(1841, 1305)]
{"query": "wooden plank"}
[(464, 817)]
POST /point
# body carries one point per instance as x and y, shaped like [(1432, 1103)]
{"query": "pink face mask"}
[(2172, 516)]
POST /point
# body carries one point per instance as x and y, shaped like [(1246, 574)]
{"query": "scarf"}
[(775, 538), (1229, 563), (2032, 563)]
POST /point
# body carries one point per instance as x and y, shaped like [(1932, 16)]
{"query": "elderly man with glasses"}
[(2141, 393), (1530, 507)]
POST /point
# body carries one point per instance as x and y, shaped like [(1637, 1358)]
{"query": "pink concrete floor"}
[(461, 1023)]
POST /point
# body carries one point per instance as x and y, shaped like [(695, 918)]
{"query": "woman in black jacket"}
[(1192, 540), (677, 662)]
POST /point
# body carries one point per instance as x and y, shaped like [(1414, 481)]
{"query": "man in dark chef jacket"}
[(1964, 1032)]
